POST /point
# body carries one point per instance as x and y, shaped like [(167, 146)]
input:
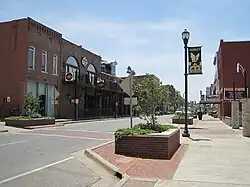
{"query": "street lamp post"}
[(185, 37), (240, 68), (131, 74)]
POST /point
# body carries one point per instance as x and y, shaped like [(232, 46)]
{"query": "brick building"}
[(35, 58), (227, 56)]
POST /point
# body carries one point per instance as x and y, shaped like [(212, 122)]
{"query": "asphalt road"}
[(43, 157)]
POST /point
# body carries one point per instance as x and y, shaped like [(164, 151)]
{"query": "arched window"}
[(91, 74), (72, 65), (72, 62)]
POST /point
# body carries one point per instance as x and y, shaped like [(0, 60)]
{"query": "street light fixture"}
[(240, 68), (185, 37)]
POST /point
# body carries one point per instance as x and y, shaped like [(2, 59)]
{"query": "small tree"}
[(150, 94), (31, 104)]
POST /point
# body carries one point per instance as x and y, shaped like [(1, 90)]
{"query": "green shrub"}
[(181, 116), (143, 129), (131, 131), (19, 117), (31, 104), (25, 117)]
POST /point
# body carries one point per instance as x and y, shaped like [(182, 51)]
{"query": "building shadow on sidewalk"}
[(195, 128), (200, 139)]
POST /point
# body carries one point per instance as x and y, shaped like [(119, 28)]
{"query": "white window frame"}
[(55, 64), (33, 49), (46, 62)]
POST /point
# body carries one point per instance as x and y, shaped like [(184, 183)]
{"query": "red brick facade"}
[(17, 37), (229, 54)]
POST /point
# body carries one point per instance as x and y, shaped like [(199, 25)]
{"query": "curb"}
[(124, 180), (107, 165), (3, 131)]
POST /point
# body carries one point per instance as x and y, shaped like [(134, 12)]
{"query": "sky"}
[(143, 34)]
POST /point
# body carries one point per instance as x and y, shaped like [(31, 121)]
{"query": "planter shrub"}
[(180, 119), (143, 142), (24, 121)]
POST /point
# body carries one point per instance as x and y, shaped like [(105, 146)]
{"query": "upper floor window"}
[(55, 65), (72, 66), (44, 67), (31, 57), (91, 74)]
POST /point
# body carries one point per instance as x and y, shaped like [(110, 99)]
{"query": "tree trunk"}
[(153, 118)]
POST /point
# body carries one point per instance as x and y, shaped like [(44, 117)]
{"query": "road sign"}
[(69, 76), (56, 93), (125, 86), (127, 101)]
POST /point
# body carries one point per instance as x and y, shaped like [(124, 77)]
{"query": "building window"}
[(91, 74), (72, 66), (44, 62), (31, 57), (55, 61)]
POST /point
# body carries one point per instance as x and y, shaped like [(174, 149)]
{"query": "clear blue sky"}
[(143, 33)]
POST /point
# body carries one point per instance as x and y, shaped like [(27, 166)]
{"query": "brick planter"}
[(182, 121), (154, 146), (30, 122)]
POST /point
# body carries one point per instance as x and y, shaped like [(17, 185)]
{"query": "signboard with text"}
[(229, 93), (194, 58)]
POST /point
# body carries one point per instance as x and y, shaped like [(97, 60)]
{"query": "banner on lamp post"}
[(194, 58)]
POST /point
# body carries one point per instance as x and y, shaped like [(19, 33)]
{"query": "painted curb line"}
[(107, 165), (4, 131)]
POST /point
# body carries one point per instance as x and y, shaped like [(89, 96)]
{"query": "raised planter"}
[(29, 122), (182, 121), (153, 146)]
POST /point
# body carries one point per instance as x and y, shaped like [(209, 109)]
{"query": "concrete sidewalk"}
[(217, 156), (3, 127)]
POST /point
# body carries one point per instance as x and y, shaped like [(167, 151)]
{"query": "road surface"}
[(44, 157)]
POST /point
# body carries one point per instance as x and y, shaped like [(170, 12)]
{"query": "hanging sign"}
[(194, 58)]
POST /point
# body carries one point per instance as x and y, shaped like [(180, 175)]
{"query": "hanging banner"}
[(194, 58)]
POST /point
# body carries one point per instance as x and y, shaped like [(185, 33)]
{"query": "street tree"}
[(150, 94), (178, 100)]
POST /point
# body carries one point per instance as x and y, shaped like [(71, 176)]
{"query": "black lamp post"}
[(131, 73), (240, 68), (185, 37)]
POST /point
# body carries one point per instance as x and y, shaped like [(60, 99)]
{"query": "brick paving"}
[(144, 168)]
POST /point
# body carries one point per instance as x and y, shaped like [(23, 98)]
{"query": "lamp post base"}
[(185, 134)]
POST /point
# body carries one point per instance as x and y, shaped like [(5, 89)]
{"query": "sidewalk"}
[(215, 155), (3, 127)]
